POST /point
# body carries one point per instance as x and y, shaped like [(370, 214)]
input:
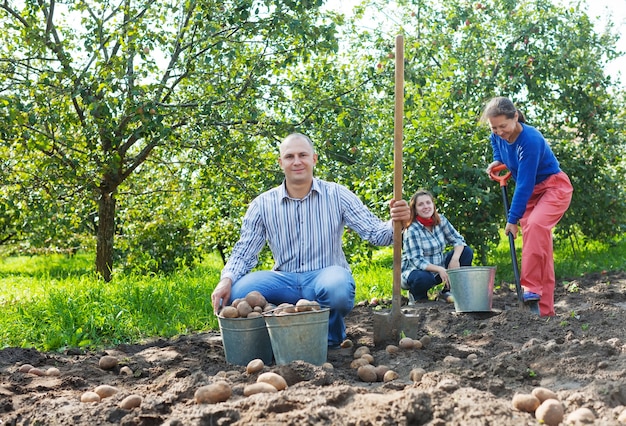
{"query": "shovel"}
[(503, 179), (389, 326)]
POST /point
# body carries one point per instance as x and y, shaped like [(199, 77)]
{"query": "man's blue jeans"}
[(331, 287)]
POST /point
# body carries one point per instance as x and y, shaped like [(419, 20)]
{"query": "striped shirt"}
[(422, 247), (303, 234)]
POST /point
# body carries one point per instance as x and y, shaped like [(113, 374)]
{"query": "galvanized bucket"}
[(299, 336), (472, 288), (245, 339)]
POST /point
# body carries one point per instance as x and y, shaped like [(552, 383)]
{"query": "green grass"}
[(53, 302)]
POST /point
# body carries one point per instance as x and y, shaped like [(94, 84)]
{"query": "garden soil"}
[(473, 366)]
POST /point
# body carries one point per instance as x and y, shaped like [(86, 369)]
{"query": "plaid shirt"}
[(422, 247), (303, 234)]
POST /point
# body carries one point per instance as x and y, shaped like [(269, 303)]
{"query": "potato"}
[(392, 349), (359, 362), (259, 387), (269, 307), (304, 305), (380, 372), (26, 368), (229, 312), (550, 412), (346, 344), (244, 309), (235, 302), (367, 373), (273, 379), (328, 366), (416, 374), (255, 298), (417, 344), (285, 308), (425, 340), (525, 402), (213, 393), (125, 370), (406, 343), (90, 397), (390, 376), (542, 394), (254, 314), (37, 371), (255, 366), (53, 371), (368, 357), (105, 391), (360, 351), (130, 402), (581, 416), (107, 362)]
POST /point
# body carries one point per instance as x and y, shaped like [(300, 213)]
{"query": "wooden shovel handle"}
[(397, 168)]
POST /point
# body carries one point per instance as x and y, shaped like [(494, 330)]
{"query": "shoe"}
[(334, 347), (529, 296), (446, 296)]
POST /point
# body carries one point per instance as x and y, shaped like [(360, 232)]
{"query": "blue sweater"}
[(530, 160)]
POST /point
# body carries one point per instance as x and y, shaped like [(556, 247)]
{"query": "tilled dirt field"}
[(474, 365)]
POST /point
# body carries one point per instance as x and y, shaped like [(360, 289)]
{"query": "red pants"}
[(549, 201)]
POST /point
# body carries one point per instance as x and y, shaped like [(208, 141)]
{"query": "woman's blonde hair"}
[(413, 202)]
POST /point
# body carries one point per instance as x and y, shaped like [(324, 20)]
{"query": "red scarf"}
[(426, 222)]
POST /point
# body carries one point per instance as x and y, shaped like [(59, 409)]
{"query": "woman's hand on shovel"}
[(511, 228)]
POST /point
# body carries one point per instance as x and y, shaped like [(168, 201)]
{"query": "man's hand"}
[(400, 211), (221, 294)]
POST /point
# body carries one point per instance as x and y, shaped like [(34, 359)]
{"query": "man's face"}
[(297, 160)]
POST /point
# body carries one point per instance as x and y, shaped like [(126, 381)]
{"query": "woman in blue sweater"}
[(543, 193)]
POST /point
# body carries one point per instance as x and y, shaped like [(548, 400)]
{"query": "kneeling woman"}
[(424, 260)]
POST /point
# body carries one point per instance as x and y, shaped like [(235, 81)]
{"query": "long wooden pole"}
[(397, 169)]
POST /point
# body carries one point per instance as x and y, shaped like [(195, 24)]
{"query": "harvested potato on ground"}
[(213, 393), (107, 362), (406, 343), (390, 376), (367, 373), (392, 349), (346, 344), (90, 397), (37, 371), (425, 340), (369, 358), (26, 368), (416, 374), (105, 391), (255, 366), (259, 387), (125, 370), (256, 299), (328, 366), (360, 351), (359, 362), (53, 371), (542, 394), (550, 412), (417, 344), (229, 312), (525, 402), (273, 379), (130, 402), (380, 372)]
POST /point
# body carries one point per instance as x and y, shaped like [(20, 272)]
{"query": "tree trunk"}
[(106, 232)]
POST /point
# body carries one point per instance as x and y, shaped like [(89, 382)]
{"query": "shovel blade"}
[(391, 326)]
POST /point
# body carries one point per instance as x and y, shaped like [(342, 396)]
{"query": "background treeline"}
[(143, 134)]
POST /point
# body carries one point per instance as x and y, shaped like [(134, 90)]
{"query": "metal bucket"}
[(472, 288), (245, 339), (299, 336)]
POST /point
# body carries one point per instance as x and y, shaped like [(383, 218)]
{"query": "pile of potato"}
[(548, 409), (255, 304)]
